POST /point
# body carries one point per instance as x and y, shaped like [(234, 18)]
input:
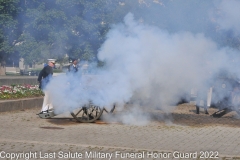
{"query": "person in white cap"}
[(44, 77)]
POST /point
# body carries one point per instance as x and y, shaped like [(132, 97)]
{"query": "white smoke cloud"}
[(158, 66), (229, 15), (144, 65)]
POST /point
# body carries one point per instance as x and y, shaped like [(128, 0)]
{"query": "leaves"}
[(38, 30), (8, 22)]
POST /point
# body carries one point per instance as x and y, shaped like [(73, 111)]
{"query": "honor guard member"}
[(73, 68), (44, 78)]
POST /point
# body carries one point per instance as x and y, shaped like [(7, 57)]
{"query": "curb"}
[(20, 104)]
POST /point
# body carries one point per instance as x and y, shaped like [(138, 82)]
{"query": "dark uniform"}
[(45, 76), (73, 68)]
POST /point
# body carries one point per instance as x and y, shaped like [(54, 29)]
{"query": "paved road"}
[(9, 80), (151, 135), (25, 77), (18, 77)]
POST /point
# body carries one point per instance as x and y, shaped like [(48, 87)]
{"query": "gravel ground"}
[(127, 134)]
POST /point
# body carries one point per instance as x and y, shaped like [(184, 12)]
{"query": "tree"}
[(53, 28), (8, 30), (38, 30)]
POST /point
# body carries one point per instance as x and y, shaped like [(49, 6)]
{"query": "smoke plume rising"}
[(147, 66), (228, 18)]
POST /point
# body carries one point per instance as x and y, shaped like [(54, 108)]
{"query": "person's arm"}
[(40, 79), (40, 76), (70, 68)]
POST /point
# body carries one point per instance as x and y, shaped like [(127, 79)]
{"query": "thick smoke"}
[(144, 65), (228, 15), (160, 67), (151, 67)]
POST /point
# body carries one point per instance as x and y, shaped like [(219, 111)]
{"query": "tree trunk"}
[(2, 69)]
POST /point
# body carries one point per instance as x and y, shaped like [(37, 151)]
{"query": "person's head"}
[(75, 61), (51, 63)]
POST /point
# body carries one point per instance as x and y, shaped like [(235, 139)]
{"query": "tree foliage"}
[(8, 27), (38, 30), (54, 28)]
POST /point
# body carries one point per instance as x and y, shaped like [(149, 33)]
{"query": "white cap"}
[(52, 61)]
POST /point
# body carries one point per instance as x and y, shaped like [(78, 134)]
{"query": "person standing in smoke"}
[(73, 68), (44, 78)]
